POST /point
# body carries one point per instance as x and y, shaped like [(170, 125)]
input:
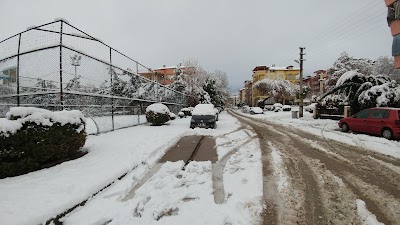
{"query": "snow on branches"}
[(279, 89)]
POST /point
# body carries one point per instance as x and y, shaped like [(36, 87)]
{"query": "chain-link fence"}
[(57, 66)]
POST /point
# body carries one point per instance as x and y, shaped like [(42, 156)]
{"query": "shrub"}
[(172, 116), (181, 114), (31, 138), (157, 114)]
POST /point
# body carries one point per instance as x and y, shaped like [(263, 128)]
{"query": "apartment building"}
[(163, 75), (393, 19), (316, 82), (289, 73)]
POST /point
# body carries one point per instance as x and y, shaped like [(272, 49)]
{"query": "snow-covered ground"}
[(330, 130), (104, 123), (170, 196)]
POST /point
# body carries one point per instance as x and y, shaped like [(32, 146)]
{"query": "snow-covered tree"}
[(202, 86), (385, 65), (306, 91), (344, 64), (74, 84), (362, 91), (280, 90)]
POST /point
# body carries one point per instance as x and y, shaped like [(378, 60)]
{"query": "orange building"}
[(163, 75), (316, 82)]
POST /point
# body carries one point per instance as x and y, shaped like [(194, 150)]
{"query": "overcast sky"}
[(230, 35)]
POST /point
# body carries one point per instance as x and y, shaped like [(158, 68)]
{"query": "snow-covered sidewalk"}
[(36, 197), (330, 130)]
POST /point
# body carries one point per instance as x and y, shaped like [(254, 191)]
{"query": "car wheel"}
[(345, 127), (387, 133), (252, 113)]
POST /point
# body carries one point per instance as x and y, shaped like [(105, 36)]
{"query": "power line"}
[(339, 24), (350, 28), (359, 34), (366, 8)]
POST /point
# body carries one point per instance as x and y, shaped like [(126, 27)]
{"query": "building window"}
[(280, 76)]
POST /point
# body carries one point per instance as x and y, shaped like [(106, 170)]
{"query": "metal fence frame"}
[(176, 103)]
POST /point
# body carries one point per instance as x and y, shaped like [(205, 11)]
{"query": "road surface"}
[(323, 181)]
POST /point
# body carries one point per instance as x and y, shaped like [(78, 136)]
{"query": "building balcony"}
[(389, 2)]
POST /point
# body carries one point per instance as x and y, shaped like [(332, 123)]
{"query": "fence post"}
[(61, 78), (19, 47), (138, 115), (112, 96)]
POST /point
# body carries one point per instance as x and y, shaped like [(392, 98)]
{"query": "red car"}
[(379, 121)]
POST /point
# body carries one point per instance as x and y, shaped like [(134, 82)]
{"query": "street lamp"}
[(76, 61)]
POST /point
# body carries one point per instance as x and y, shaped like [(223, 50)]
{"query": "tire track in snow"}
[(333, 159)]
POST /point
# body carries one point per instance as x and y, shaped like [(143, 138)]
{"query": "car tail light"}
[(397, 123)]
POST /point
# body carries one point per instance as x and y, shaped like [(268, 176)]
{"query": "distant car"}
[(245, 109), (187, 111), (310, 108), (287, 108), (204, 115), (277, 107), (256, 110), (268, 107), (378, 121)]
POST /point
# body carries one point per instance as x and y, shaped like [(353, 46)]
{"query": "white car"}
[(310, 108), (287, 108), (256, 110), (277, 107)]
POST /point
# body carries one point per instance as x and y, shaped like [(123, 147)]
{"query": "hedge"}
[(41, 140)]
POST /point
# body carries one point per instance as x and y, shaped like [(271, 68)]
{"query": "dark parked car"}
[(204, 115), (379, 121)]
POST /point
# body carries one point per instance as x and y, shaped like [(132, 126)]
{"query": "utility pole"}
[(301, 81)]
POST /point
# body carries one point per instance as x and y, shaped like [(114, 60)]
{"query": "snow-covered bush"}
[(187, 111), (172, 116), (31, 138), (181, 114), (157, 114)]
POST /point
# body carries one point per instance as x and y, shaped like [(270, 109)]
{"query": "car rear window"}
[(380, 114)]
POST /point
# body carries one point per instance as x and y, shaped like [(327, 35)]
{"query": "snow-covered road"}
[(309, 179)]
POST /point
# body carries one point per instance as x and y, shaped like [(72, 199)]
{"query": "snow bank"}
[(366, 216), (203, 110), (158, 108)]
